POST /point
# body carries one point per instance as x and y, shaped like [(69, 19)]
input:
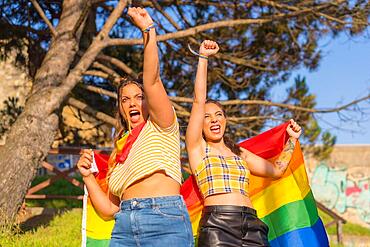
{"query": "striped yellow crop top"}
[(222, 174), (155, 149)]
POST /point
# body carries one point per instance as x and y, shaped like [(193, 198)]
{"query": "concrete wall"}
[(342, 183)]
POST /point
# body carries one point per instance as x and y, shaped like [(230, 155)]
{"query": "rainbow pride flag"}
[(96, 232), (286, 205)]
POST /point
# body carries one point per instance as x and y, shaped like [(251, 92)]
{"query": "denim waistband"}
[(151, 202), (229, 209)]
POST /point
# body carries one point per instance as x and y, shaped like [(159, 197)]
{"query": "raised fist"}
[(293, 129), (140, 17), (208, 48)]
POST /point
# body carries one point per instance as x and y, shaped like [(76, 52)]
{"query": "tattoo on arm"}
[(285, 156)]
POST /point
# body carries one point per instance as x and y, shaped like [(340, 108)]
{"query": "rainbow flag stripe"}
[(286, 204), (96, 232)]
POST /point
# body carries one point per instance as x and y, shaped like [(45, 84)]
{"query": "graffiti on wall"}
[(343, 188)]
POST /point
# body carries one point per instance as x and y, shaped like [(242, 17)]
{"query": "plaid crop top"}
[(222, 174)]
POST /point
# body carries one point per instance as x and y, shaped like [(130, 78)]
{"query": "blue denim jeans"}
[(158, 221)]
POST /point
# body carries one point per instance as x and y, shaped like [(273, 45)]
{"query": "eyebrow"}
[(207, 113), (139, 94)]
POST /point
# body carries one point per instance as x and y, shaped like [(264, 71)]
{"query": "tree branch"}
[(208, 26), (97, 73), (112, 19), (87, 109), (80, 20), (100, 91), (229, 58), (87, 59), (243, 102), (43, 16), (281, 105), (119, 64), (106, 69)]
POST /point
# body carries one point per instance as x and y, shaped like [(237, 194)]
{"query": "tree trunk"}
[(29, 139)]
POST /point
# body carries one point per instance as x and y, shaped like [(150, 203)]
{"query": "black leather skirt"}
[(231, 226)]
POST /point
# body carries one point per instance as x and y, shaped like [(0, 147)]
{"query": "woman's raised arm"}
[(193, 136), (159, 105)]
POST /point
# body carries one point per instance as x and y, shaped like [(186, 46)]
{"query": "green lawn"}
[(348, 228), (63, 230)]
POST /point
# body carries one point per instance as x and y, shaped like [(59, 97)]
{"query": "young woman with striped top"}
[(222, 169), (144, 182)]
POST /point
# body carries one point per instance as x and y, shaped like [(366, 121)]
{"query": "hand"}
[(293, 129), (84, 163), (208, 48), (140, 17)]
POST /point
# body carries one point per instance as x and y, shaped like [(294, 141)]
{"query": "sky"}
[(342, 76)]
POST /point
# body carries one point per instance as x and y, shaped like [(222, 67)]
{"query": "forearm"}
[(282, 162), (151, 61), (195, 124), (103, 205), (200, 86)]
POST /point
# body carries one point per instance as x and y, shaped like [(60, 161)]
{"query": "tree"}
[(77, 43)]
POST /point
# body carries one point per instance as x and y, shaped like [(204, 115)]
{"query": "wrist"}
[(88, 178), (292, 140), (201, 56), (148, 28)]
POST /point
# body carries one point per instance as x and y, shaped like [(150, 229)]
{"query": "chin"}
[(214, 138)]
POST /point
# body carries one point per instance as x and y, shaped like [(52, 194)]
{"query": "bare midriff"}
[(155, 185), (233, 198)]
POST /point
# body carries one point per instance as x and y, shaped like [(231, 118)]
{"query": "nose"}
[(213, 120), (132, 103)]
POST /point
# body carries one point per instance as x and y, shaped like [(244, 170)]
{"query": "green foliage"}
[(63, 230), (59, 187), (348, 228), (9, 114), (281, 37)]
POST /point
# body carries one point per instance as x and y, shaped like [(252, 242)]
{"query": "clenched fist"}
[(140, 17), (208, 48), (293, 129)]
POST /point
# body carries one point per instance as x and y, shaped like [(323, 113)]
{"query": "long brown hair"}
[(227, 140), (121, 122)]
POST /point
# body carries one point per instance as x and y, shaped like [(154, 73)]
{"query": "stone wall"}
[(78, 127)]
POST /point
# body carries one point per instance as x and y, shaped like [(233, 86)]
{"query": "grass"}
[(348, 228), (63, 230)]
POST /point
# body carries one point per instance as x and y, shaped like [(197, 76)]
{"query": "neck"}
[(218, 145), (134, 125)]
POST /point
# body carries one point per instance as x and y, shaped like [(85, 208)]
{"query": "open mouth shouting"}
[(216, 129), (134, 116)]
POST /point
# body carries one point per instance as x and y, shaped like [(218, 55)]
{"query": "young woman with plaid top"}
[(222, 169)]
